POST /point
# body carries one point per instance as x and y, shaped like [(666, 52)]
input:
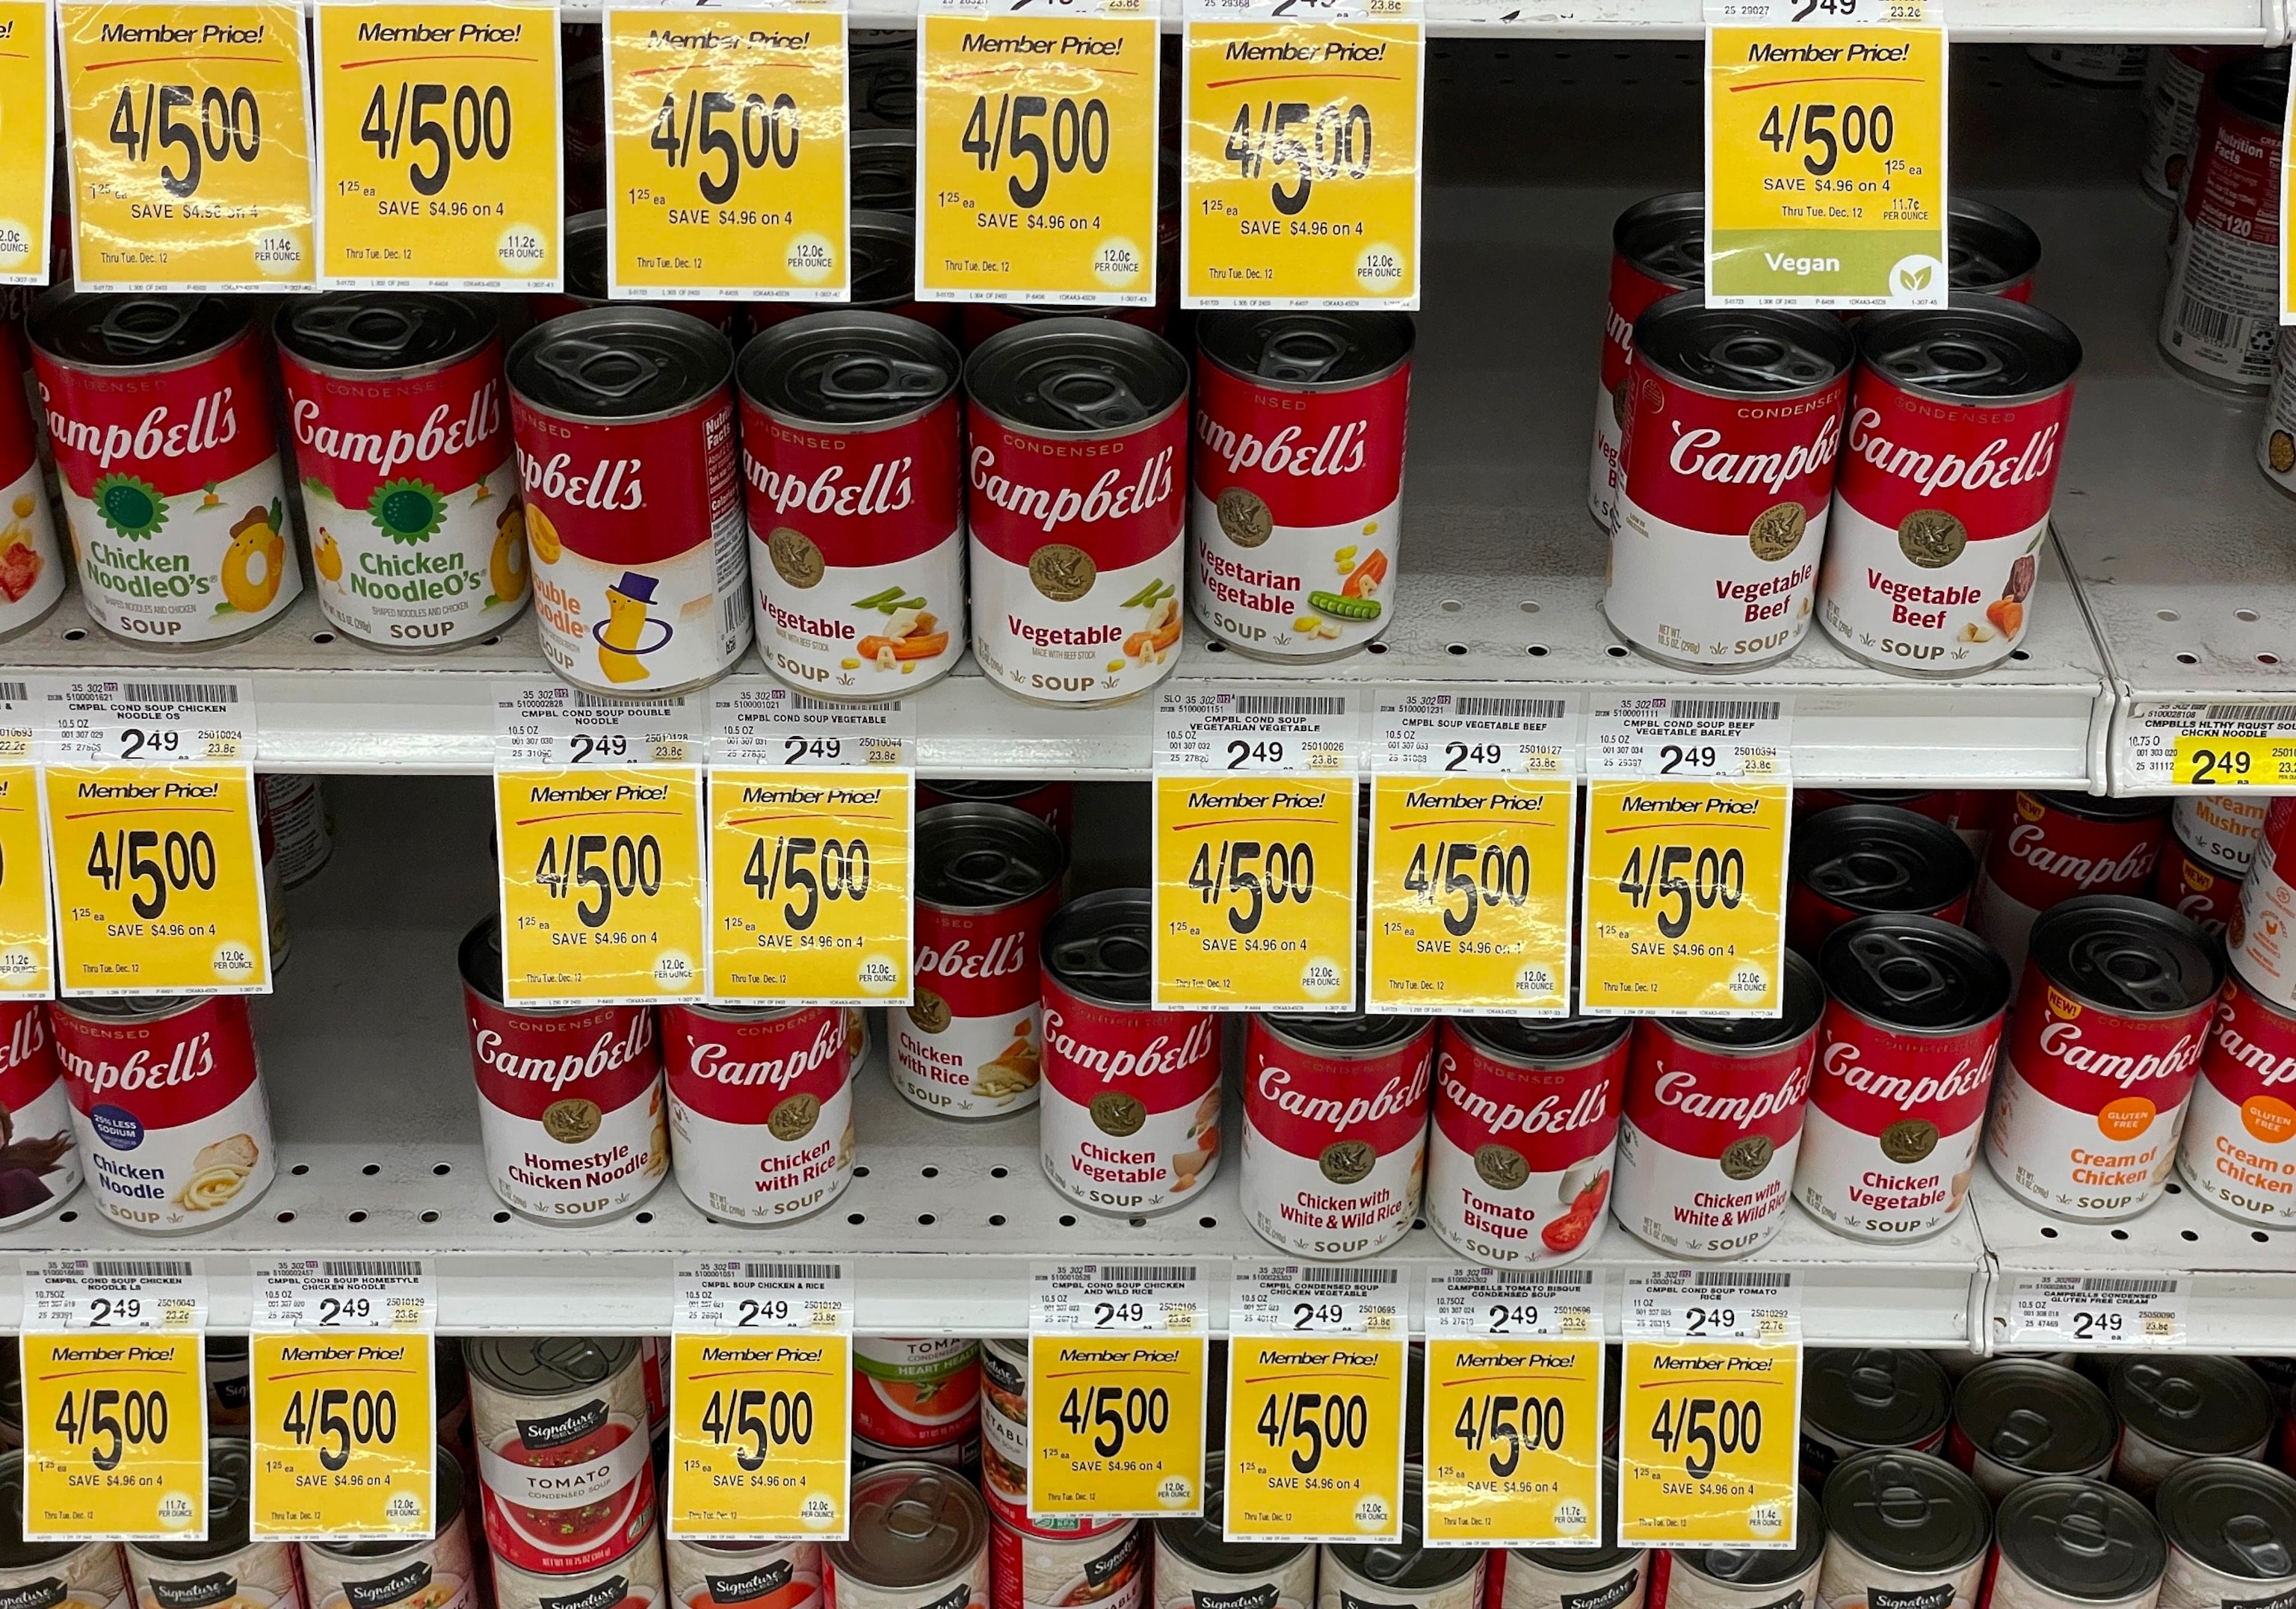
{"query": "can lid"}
[(2104, 807), (884, 247), (2255, 84), (586, 256), (1876, 1396), (1986, 248), (1752, 1567), (2128, 956), (1306, 351), (1549, 1041), (1915, 972), (230, 1482), (850, 368), (1347, 1034), (1805, 1003), (1198, 1540), (1408, 1564), (1098, 947), (2081, 1539), (2234, 1515), (984, 857), (128, 1008), (620, 362), (1976, 348), (2196, 1405), (1908, 1511), (545, 1366), (913, 1524), (369, 331), (1874, 857), (1077, 376), (136, 331), (2036, 1418), (16, 1552), (1743, 352), (884, 169), (1665, 238), (1608, 1554)]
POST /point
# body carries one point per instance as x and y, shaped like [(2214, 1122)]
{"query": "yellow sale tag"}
[(1707, 1437), (159, 879), (439, 146), (811, 885), (759, 1434), (115, 1435), (1685, 904), (2235, 762), (1301, 171), (1514, 1441), (1120, 1430), (27, 951), (1315, 1437), (1470, 894), (344, 1434), (726, 160), (1254, 888), (27, 111), (1036, 157), (1825, 165)]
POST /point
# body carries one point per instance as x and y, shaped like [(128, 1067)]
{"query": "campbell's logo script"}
[(1845, 1061), (1679, 1088), (1699, 454), (1993, 467), (1009, 953), (1110, 497), (612, 485), (1552, 1114), (1400, 1094), (2030, 844), (2063, 1044), (609, 1051), (26, 1039), (885, 489), (2229, 1048), (1159, 1056), (450, 430), (161, 433), (720, 1064), (1339, 452), (186, 1060)]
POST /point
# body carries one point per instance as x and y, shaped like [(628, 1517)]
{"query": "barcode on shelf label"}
[(1473, 705), (2262, 715), (2204, 746), (1207, 728), (1711, 1304), (397, 1267), (787, 1272), (1424, 732), (114, 1293), (102, 721), (1727, 709), (106, 1269), (1521, 1304), (1276, 703), (349, 1294), (759, 723), (739, 1295), (542, 724), (179, 692), (15, 693), (1661, 737), (2092, 1312), (1316, 1299), (1115, 1299)]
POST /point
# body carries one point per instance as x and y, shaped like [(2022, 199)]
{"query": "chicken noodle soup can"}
[(919, 1540), (47, 1574), (2052, 847), (2239, 1150), (1905, 1530), (2175, 1409), (744, 1575), (631, 1579), (1335, 1129), (159, 408), (1859, 860), (1658, 247), (39, 1164), (1066, 1562), (566, 1482), (1198, 1568), (912, 1394), (2231, 1529), (1854, 1399), (31, 566), (2071, 1543), (433, 1573), (2220, 315), (228, 1570), (760, 1107), (1402, 1574), (2019, 1419)]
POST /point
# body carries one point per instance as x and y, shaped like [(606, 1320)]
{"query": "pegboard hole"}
[(646, 1218), (299, 1169), (1067, 1220), (2188, 659), (1450, 605), (2175, 1188), (2168, 614), (490, 642), (2121, 1235), (930, 1172), (372, 1169), (2019, 654), (1538, 650), (997, 1173), (69, 1218), (2267, 659), (1455, 650), (1216, 647), (75, 634), (322, 637), (2258, 1236), (856, 1217), (996, 1221), (862, 1172), (1616, 651), (2190, 1234), (1137, 1223), (1379, 647), (2047, 1233), (925, 1218), (429, 1217), (356, 1218), (1529, 606), (502, 1217), (442, 1168), (1208, 1223), (2247, 616), (286, 1217)]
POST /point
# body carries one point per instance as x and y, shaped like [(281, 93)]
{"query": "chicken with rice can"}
[(1335, 1129), (565, 1480), (760, 1107)]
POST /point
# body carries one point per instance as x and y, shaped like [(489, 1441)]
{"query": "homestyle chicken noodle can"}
[(760, 1107), (1198, 1568), (914, 1394), (631, 1579), (2230, 1524), (2262, 933), (2174, 1409), (1745, 1578), (742, 1575), (1334, 1130), (431, 1574), (44, 1574), (1905, 1529), (2018, 1419), (2049, 847), (2220, 315), (1658, 247), (228, 1570), (565, 1478), (920, 1540), (2067, 1544), (2239, 1150), (39, 1165), (31, 568)]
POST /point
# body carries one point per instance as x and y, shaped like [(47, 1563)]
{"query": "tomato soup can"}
[(587, 243), (852, 452), (2192, 888), (1005, 1425), (1065, 1562), (1870, 860), (228, 1571), (1078, 441), (1713, 1123), (744, 1575), (1525, 1122), (2019, 1419), (1904, 1528), (39, 1166), (565, 1481), (1335, 1129), (1856, 1398), (2051, 847), (571, 1115), (2103, 1053), (2231, 1529), (1131, 1118), (760, 1108), (2262, 933), (1658, 247), (1053, 803), (159, 408), (2220, 316), (433, 1573), (401, 422), (31, 565), (167, 1104), (47, 1574), (2073, 1544), (626, 450), (1295, 512), (1198, 1568), (2175, 1409), (2221, 829), (2239, 1150), (920, 1540), (969, 1044), (1403, 1574), (631, 1579), (911, 1394), (1745, 1578)]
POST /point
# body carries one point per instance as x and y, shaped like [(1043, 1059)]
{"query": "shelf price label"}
[(1299, 165), (1709, 1433), (27, 938), (439, 146), (27, 114), (761, 1401), (725, 153), (1515, 1407), (1036, 152), (1116, 1357), (2095, 1312), (1473, 824), (2177, 745), (1315, 1404), (1688, 807)]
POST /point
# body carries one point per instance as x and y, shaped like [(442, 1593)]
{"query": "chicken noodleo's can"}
[(1334, 1130), (2239, 1149)]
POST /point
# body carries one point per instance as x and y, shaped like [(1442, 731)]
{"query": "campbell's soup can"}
[(2262, 933), (2230, 1525), (1713, 1123), (883, 244), (1197, 1567), (401, 422), (1855, 1399), (1053, 803), (2239, 1150), (586, 245), (623, 423), (2222, 829), (1077, 432), (1334, 1130), (571, 1115), (1296, 501), (919, 1540), (2102, 1056), (1989, 250), (227, 1568), (1402, 1574), (39, 1165), (631, 1579), (431, 1572), (2220, 315), (760, 1107), (977, 321), (969, 1044), (1526, 1122), (1903, 1527), (31, 565), (2195, 887), (43, 1573), (565, 1479), (2074, 1544), (167, 1104), (2175, 1409), (2019, 1419), (1066, 1560), (159, 408), (910, 1394), (1732, 429), (2276, 443), (1745, 1578), (2051, 847), (295, 818), (1658, 247), (1859, 860), (742, 1575), (1131, 1104), (2175, 76), (853, 453)]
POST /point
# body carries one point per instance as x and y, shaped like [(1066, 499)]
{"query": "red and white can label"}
[(1078, 553), (1131, 1103), (39, 1165), (1722, 516), (914, 1394), (1519, 1164), (172, 1123), (2239, 1149), (2174, 78), (2220, 316), (969, 1044), (1709, 1143), (411, 491), (31, 566), (1939, 518), (1631, 291), (1295, 510), (569, 1107), (760, 1110), (2262, 935), (1890, 1138), (174, 495), (856, 551), (2041, 857), (1334, 1146), (2221, 829), (2193, 887), (2088, 1106)]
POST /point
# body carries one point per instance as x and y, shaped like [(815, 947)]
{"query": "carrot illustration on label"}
[(1364, 580)]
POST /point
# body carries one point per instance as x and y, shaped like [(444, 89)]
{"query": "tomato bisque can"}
[(1066, 1560), (402, 435), (1913, 1012), (1295, 511), (159, 408), (1526, 1118), (570, 1114), (1904, 1528), (2174, 1409), (2019, 1419), (742, 1575), (2049, 847), (631, 1579), (988, 877), (2239, 1150), (624, 421), (2103, 1053), (2231, 1530), (227, 1568), (1335, 1129), (1131, 1117), (434, 1573), (31, 566), (853, 457), (1077, 432), (2220, 315), (1855, 1399), (1658, 247), (912, 1394), (1733, 425), (2262, 933), (565, 1478), (760, 1108), (1713, 1123), (1869, 860), (2067, 1544), (167, 1104), (1745, 1578), (39, 1165), (919, 1540)]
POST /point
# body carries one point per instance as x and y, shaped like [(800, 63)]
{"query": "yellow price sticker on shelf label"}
[(1707, 1443), (1315, 1437), (28, 113), (1121, 1428), (1514, 1440), (115, 1435), (760, 1434), (439, 146), (2235, 762), (344, 1434), (190, 150), (1037, 155)]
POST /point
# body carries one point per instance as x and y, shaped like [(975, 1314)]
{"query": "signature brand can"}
[(624, 423), (1867, 860), (431, 1574), (1132, 1096), (2220, 317), (2231, 1531), (1713, 1123), (1856, 1398), (1198, 1568), (159, 411), (2222, 829), (1295, 512), (1402, 1574), (1733, 425), (2071, 1544), (1334, 1130), (1745, 1578), (760, 1108), (44, 1574), (2019, 1419), (402, 433), (2174, 1409), (2239, 1149), (2262, 933), (1066, 1561), (631, 1579), (31, 566), (910, 1394), (1658, 247), (565, 1478), (1598, 1574), (39, 1167), (851, 447), (2050, 847), (744, 1575), (1078, 433), (227, 1568), (920, 1540), (1904, 1530)]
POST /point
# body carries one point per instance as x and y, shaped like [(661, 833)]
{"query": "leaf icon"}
[(1915, 279)]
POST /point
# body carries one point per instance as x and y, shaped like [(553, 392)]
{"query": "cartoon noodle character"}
[(256, 559)]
